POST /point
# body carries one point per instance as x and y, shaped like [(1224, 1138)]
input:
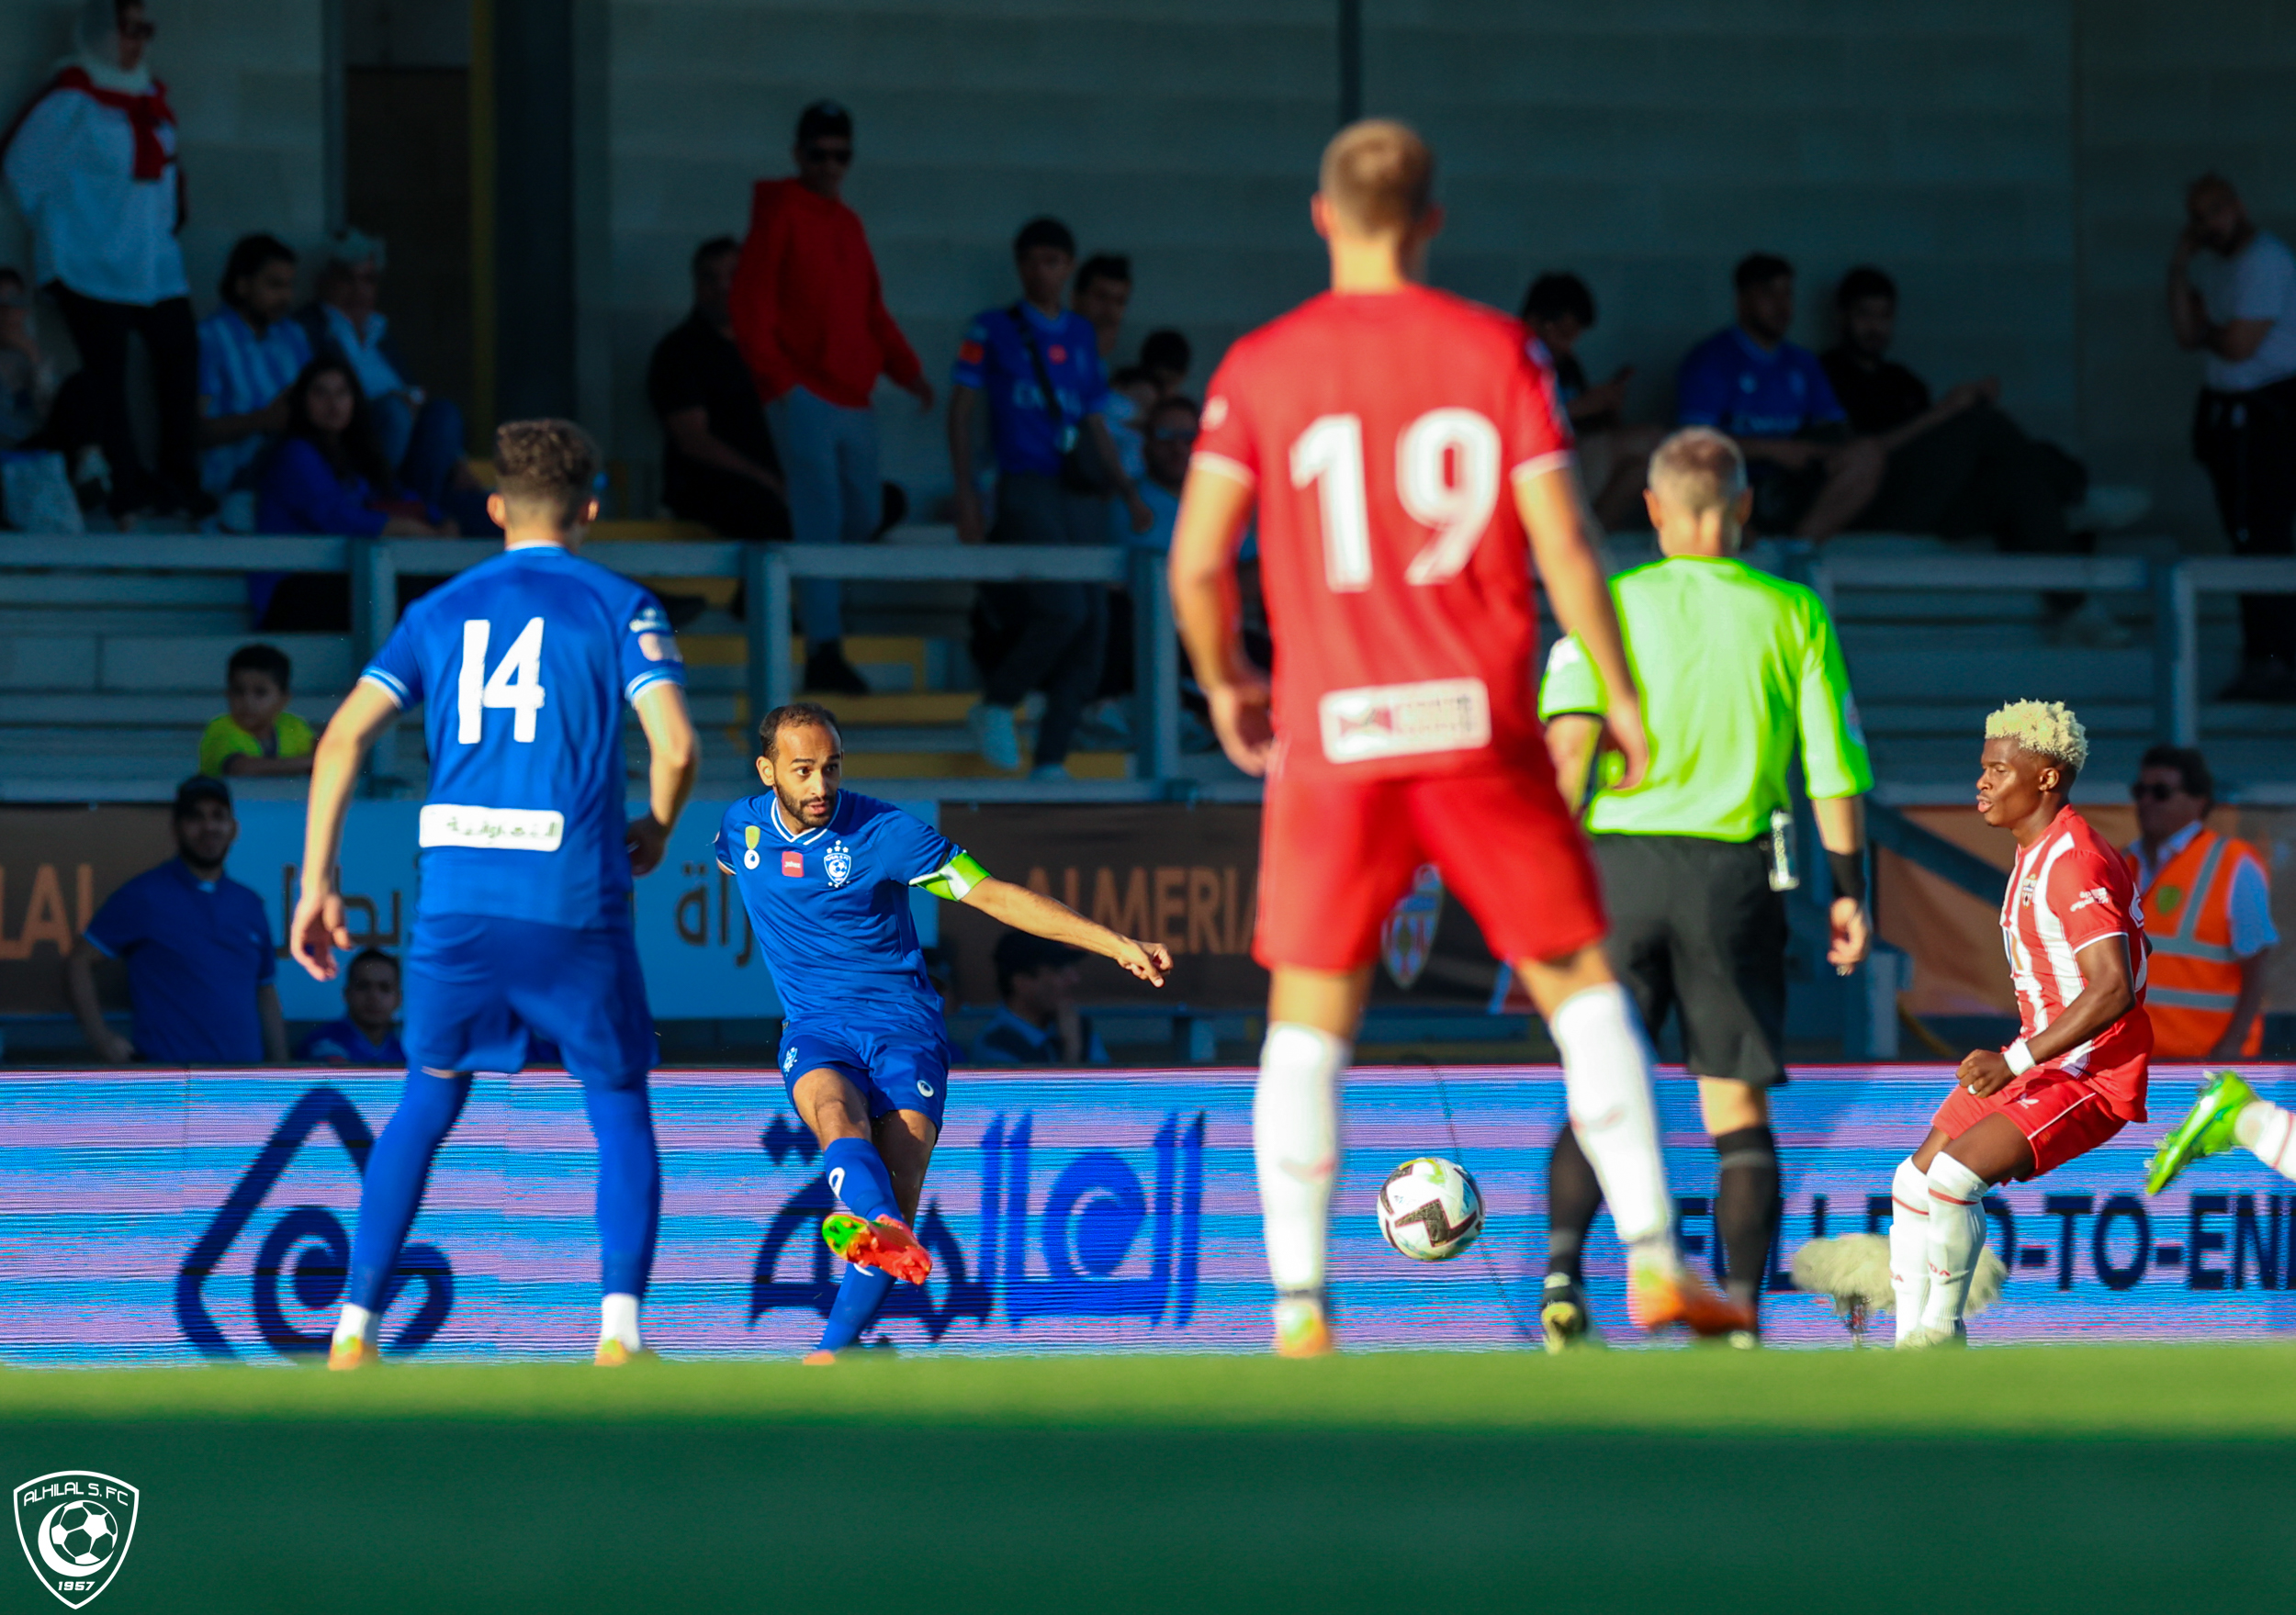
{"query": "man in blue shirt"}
[(199, 951), (1810, 476), (522, 930), (1037, 1023), (249, 353), (1037, 363), (826, 875), (368, 1032)]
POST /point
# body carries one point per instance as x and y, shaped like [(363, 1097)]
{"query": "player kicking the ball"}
[(826, 874), (1397, 445), (2076, 1077)]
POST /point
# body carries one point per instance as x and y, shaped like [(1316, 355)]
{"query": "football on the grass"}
[(1430, 1209)]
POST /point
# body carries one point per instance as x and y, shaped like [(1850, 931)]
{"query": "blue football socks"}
[(396, 1170), (859, 1295), (629, 1186), (858, 1177)]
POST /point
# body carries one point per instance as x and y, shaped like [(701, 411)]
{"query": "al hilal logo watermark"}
[(75, 1526)]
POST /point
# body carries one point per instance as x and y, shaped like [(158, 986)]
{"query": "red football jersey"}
[(1383, 433), (2069, 888)]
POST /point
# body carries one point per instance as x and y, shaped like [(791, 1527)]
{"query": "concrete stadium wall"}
[(1181, 131), (1649, 144), (2167, 93)]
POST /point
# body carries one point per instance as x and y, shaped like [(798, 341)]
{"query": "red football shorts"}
[(1336, 854), (2061, 1116)]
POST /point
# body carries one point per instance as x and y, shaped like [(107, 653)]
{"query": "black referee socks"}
[(1747, 1208)]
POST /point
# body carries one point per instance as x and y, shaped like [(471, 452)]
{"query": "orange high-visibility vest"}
[(2192, 981)]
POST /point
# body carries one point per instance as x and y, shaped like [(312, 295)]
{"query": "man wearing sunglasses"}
[(809, 316), (2208, 910), (1167, 439)]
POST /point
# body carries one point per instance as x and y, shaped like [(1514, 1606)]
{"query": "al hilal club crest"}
[(75, 1526), (839, 863), (1408, 937)]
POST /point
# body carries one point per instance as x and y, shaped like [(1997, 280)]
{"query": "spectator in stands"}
[(419, 437), (1613, 456), (28, 376), (2208, 913), (92, 165), (809, 314), (258, 737), (249, 353), (719, 465), (198, 950), (1134, 392), (2232, 296), (1810, 476), (1169, 439), (326, 475), (1039, 366), (1167, 359), (1957, 466), (367, 1035), (1101, 292), (1037, 1023)]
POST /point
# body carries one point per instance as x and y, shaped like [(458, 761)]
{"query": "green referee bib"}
[(1735, 668)]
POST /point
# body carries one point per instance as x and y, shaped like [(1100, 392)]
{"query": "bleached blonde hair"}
[(2046, 728)]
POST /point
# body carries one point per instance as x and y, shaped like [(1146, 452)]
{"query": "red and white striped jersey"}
[(2069, 888)]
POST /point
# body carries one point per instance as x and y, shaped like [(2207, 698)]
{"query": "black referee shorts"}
[(1695, 928)]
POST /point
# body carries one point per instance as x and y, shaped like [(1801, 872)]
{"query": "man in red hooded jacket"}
[(809, 316)]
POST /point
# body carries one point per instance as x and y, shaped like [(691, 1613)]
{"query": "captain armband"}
[(955, 880)]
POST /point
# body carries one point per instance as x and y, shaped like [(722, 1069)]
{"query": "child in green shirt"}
[(258, 736)]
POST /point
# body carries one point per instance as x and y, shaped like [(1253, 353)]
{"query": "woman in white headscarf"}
[(92, 162)]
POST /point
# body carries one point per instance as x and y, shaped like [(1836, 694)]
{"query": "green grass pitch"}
[(2018, 1479)]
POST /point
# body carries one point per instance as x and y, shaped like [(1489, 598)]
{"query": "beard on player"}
[(811, 802)]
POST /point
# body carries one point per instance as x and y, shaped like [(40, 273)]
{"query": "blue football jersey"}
[(831, 908), (523, 665)]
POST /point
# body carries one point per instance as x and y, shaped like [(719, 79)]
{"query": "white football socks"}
[(354, 1324), (2264, 1128), (1910, 1245), (1606, 1071), (617, 1320), (1295, 1145), (1956, 1235)]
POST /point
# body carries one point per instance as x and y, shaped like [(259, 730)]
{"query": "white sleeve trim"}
[(1235, 470), (387, 685), (1540, 464)]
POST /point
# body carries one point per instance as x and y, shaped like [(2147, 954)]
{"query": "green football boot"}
[(2207, 1129)]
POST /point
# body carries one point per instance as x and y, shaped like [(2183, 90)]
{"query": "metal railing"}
[(376, 564), (2175, 588), (771, 570)]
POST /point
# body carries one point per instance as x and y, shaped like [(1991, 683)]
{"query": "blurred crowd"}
[(289, 409)]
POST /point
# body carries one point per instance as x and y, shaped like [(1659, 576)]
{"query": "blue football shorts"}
[(480, 987), (905, 1068)]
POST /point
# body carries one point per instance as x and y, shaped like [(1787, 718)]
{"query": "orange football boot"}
[(1304, 1329), (885, 1244), (1655, 1299)]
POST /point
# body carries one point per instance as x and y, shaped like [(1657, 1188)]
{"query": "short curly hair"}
[(549, 467), (2046, 728)]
